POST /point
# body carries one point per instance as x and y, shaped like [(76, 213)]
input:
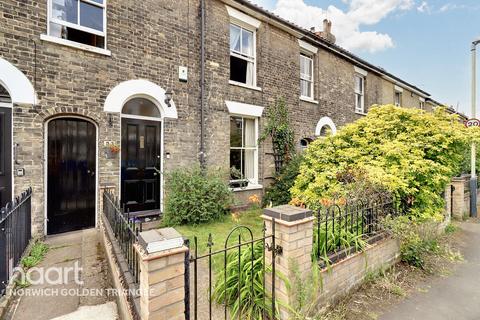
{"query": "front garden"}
[(384, 173)]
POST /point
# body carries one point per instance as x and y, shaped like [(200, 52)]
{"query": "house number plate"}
[(142, 142)]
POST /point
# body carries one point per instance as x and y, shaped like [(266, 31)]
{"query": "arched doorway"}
[(6, 177), (141, 157), (71, 174)]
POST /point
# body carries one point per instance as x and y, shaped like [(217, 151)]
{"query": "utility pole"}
[(473, 175)]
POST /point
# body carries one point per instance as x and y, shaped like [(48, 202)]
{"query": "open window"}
[(242, 55), (81, 21)]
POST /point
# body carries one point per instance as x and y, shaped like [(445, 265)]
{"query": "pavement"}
[(456, 297), (78, 297)]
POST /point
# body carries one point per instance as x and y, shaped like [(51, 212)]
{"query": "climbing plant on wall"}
[(279, 129)]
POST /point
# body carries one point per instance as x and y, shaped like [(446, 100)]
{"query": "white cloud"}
[(424, 7), (346, 24), (451, 6)]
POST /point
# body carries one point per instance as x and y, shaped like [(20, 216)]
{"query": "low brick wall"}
[(343, 276)]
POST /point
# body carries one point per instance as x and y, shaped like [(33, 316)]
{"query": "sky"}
[(425, 42)]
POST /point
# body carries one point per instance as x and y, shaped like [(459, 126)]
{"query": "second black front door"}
[(141, 165), (5, 156), (71, 175)]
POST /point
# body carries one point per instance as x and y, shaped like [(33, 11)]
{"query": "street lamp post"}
[(473, 175)]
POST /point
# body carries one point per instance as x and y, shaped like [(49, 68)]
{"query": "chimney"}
[(326, 34)]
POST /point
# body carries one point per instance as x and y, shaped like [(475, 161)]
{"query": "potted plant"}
[(111, 150), (237, 179)]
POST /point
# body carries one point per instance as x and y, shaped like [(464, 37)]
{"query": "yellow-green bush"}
[(408, 152)]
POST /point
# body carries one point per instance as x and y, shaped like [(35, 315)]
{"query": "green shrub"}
[(253, 302), (408, 152), (193, 197), (278, 192), (417, 240)]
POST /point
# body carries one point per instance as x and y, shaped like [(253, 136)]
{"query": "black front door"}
[(71, 175), (140, 165), (5, 156)]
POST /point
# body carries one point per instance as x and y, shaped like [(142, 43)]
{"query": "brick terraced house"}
[(97, 93)]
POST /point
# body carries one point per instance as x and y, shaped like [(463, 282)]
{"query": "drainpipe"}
[(202, 86), (473, 175)]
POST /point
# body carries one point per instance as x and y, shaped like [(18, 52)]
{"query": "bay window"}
[(81, 21), (243, 151)]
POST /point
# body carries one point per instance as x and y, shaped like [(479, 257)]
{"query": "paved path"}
[(456, 297), (84, 249)]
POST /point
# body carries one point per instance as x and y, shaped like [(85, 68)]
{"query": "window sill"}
[(75, 45), (249, 187), (361, 113), (307, 99), (243, 85)]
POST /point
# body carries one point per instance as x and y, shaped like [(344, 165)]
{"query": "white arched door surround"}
[(127, 90), (325, 121), (19, 88)]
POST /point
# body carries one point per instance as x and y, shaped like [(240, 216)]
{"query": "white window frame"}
[(78, 26), (421, 103), (359, 109), (254, 182), (250, 59), (399, 102), (312, 80)]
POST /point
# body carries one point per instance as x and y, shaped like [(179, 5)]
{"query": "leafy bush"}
[(194, 197), (407, 152), (254, 302), (278, 192), (417, 240)]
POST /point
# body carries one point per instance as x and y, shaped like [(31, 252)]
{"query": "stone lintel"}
[(287, 213)]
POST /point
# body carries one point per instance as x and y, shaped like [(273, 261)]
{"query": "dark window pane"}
[(141, 107), (235, 132), (236, 164), (72, 34), (238, 69), (4, 95), (91, 16)]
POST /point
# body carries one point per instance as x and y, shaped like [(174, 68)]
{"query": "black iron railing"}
[(347, 226), (233, 278), (125, 229), (15, 234)]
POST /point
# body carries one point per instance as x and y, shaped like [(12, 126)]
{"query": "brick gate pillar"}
[(294, 233), (162, 284)]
